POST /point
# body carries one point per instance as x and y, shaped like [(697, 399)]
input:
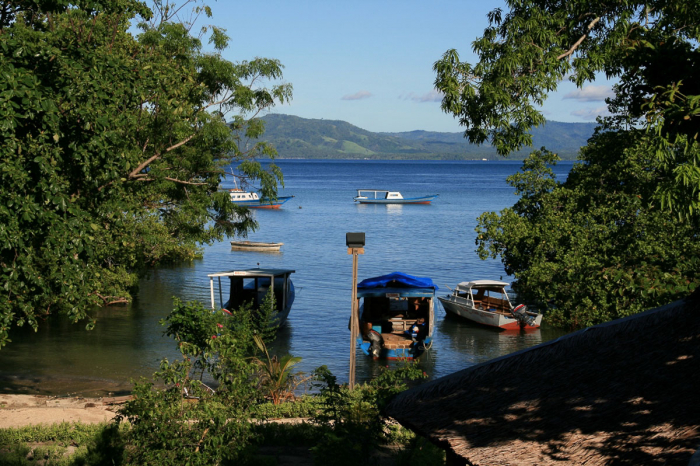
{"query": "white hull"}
[(479, 316)]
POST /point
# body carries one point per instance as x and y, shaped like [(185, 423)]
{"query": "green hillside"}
[(296, 137)]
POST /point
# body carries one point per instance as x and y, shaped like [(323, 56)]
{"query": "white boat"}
[(253, 201), (378, 196), (255, 246), (486, 302), (251, 286)]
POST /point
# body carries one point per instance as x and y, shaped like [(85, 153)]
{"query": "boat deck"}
[(394, 341)]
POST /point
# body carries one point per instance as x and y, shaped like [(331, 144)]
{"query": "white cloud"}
[(591, 113), (358, 95), (432, 96), (591, 94)]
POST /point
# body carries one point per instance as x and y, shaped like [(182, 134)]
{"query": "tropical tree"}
[(591, 249), (650, 47), (620, 234), (114, 146)]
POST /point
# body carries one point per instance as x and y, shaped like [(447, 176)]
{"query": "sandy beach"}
[(24, 410)]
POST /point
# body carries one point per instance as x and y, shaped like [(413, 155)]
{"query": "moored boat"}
[(252, 286), (253, 201), (258, 246), (486, 302), (378, 196), (396, 315)]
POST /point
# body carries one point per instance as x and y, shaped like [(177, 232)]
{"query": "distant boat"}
[(396, 316), (255, 246), (253, 201), (251, 286), (486, 302), (378, 196)]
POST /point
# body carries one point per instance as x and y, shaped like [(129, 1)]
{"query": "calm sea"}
[(435, 241)]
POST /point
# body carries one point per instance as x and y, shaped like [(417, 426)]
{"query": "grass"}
[(76, 444)]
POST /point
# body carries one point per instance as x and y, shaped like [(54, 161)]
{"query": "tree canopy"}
[(650, 47), (590, 249), (114, 146), (620, 235)]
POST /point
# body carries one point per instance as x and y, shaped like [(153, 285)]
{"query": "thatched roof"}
[(624, 392)]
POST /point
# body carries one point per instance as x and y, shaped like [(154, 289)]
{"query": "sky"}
[(370, 62)]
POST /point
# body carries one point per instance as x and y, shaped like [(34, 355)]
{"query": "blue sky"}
[(370, 62)]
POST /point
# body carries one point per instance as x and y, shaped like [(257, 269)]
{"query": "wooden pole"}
[(354, 317)]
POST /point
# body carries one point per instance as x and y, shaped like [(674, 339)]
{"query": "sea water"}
[(436, 241)]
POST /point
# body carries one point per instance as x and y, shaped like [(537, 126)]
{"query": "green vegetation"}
[(621, 234), (113, 149), (178, 419), (296, 137), (649, 46), (591, 249)]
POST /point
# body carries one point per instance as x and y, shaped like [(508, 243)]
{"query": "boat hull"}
[(263, 203), (414, 351), (414, 200), (488, 318), (255, 246)]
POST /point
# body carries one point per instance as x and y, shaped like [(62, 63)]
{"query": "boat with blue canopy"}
[(396, 315)]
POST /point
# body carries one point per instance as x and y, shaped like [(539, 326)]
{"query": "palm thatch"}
[(624, 392)]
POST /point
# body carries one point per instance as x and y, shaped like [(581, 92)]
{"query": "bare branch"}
[(581, 39), (185, 182), (136, 171)]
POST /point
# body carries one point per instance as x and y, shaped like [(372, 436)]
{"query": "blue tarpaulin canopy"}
[(396, 280)]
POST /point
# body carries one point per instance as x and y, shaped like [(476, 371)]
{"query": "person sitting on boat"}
[(417, 330)]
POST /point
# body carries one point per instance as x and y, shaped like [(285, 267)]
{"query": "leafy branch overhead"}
[(114, 148), (524, 54)]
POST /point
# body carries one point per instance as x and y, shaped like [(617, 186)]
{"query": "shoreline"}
[(26, 410)]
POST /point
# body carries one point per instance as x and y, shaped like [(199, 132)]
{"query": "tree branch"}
[(581, 39), (136, 171)]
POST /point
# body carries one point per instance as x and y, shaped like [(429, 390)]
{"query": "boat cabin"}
[(377, 194), (251, 286), (486, 295), (240, 195)]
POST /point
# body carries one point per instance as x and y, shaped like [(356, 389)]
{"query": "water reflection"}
[(479, 343)]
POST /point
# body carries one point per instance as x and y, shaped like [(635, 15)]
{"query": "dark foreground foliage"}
[(216, 404)]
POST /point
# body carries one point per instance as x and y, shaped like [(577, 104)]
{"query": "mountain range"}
[(303, 138)]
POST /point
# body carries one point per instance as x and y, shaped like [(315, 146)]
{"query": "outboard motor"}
[(522, 316), (376, 343)]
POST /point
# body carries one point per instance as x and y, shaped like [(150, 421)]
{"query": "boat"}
[(251, 286), (396, 315), (255, 246), (253, 201), (486, 302), (378, 196)]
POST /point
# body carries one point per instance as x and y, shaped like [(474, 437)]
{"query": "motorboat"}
[(254, 201), (486, 302), (378, 196), (396, 315), (251, 286)]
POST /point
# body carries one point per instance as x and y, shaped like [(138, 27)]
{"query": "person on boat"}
[(417, 330)]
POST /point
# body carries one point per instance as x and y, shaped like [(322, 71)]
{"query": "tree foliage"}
[(114, 146), (651, 47), (592, 249), (199, 411)]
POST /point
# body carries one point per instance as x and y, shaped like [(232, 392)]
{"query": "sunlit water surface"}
[(435, 240)]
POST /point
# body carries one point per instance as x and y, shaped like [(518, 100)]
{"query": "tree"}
[(114, 147), (650, 46), (591, 249)]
